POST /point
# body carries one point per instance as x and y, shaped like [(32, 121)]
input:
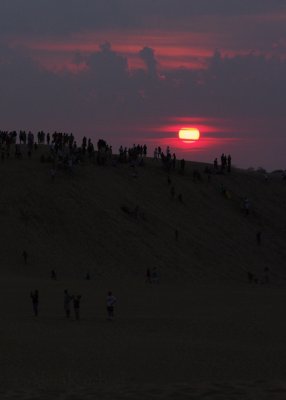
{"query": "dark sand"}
[(202, 333), (167, 341)]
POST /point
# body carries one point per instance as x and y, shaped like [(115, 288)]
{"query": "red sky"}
[(173, 49), (216, 64)]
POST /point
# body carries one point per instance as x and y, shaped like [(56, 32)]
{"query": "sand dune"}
[(76, 223), (202, 333)]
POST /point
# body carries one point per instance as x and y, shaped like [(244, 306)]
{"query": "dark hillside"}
[(89, 221)]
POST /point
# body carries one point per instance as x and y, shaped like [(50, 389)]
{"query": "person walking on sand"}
[(53, 275), (155, 275), (148, 276), (258, 238), (110, 302), (265, 279), (25, 256), (67, 303), (176, 235), (35, 301), (76, 305)]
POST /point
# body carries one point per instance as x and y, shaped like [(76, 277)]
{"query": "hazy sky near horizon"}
[(136, 71)]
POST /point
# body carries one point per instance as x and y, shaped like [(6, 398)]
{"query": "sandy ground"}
[(172, 341), (202, 333)]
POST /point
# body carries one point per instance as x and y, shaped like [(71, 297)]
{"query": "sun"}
[(189, 134)]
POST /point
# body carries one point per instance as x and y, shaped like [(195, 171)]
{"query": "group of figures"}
[(152, 276), (264, 280), (225, 163), (74, 300), (134, 153)]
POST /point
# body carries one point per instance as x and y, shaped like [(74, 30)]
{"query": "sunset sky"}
[(136, 71)]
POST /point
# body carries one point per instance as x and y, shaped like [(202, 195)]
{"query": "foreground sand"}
[(174, 340)]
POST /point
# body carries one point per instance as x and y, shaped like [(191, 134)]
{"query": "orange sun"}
[(189, 134)]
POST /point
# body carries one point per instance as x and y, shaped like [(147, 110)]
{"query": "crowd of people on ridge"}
[(64, 152)]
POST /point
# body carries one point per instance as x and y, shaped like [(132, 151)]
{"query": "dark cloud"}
[(69, 16), (236, 87), (147, 55)]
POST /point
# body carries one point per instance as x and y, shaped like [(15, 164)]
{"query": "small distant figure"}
[(52, 174), (180, 197), (174, 158), (110, 302), (87, 276), (172, 192), (229, 163), (266, 276), (223, 189), (155, 275), (67, 303), (155, 154), (35, 301), (53, 275), (258, 238), (176, 235), (215, 164), (25, 257), (250, 277), (148, 276), (246, 205), (169, 180), (197, 176), (76, 305)]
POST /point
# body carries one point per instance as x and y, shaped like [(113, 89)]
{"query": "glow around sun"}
[(189, 134)]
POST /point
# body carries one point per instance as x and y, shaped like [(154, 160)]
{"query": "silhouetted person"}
[(229, 163), (53, 275), (87, 276), (176, 235), (258, 238), (174, 161), (25, 256), (180, 198), (76, 305), (110, 302), (172, 192), (266, 276), (215, 164), (246, 205), (52, 174), (155, 275), (67, 303), (169, 180), (250, 277), (148, 275), (35, 301)]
